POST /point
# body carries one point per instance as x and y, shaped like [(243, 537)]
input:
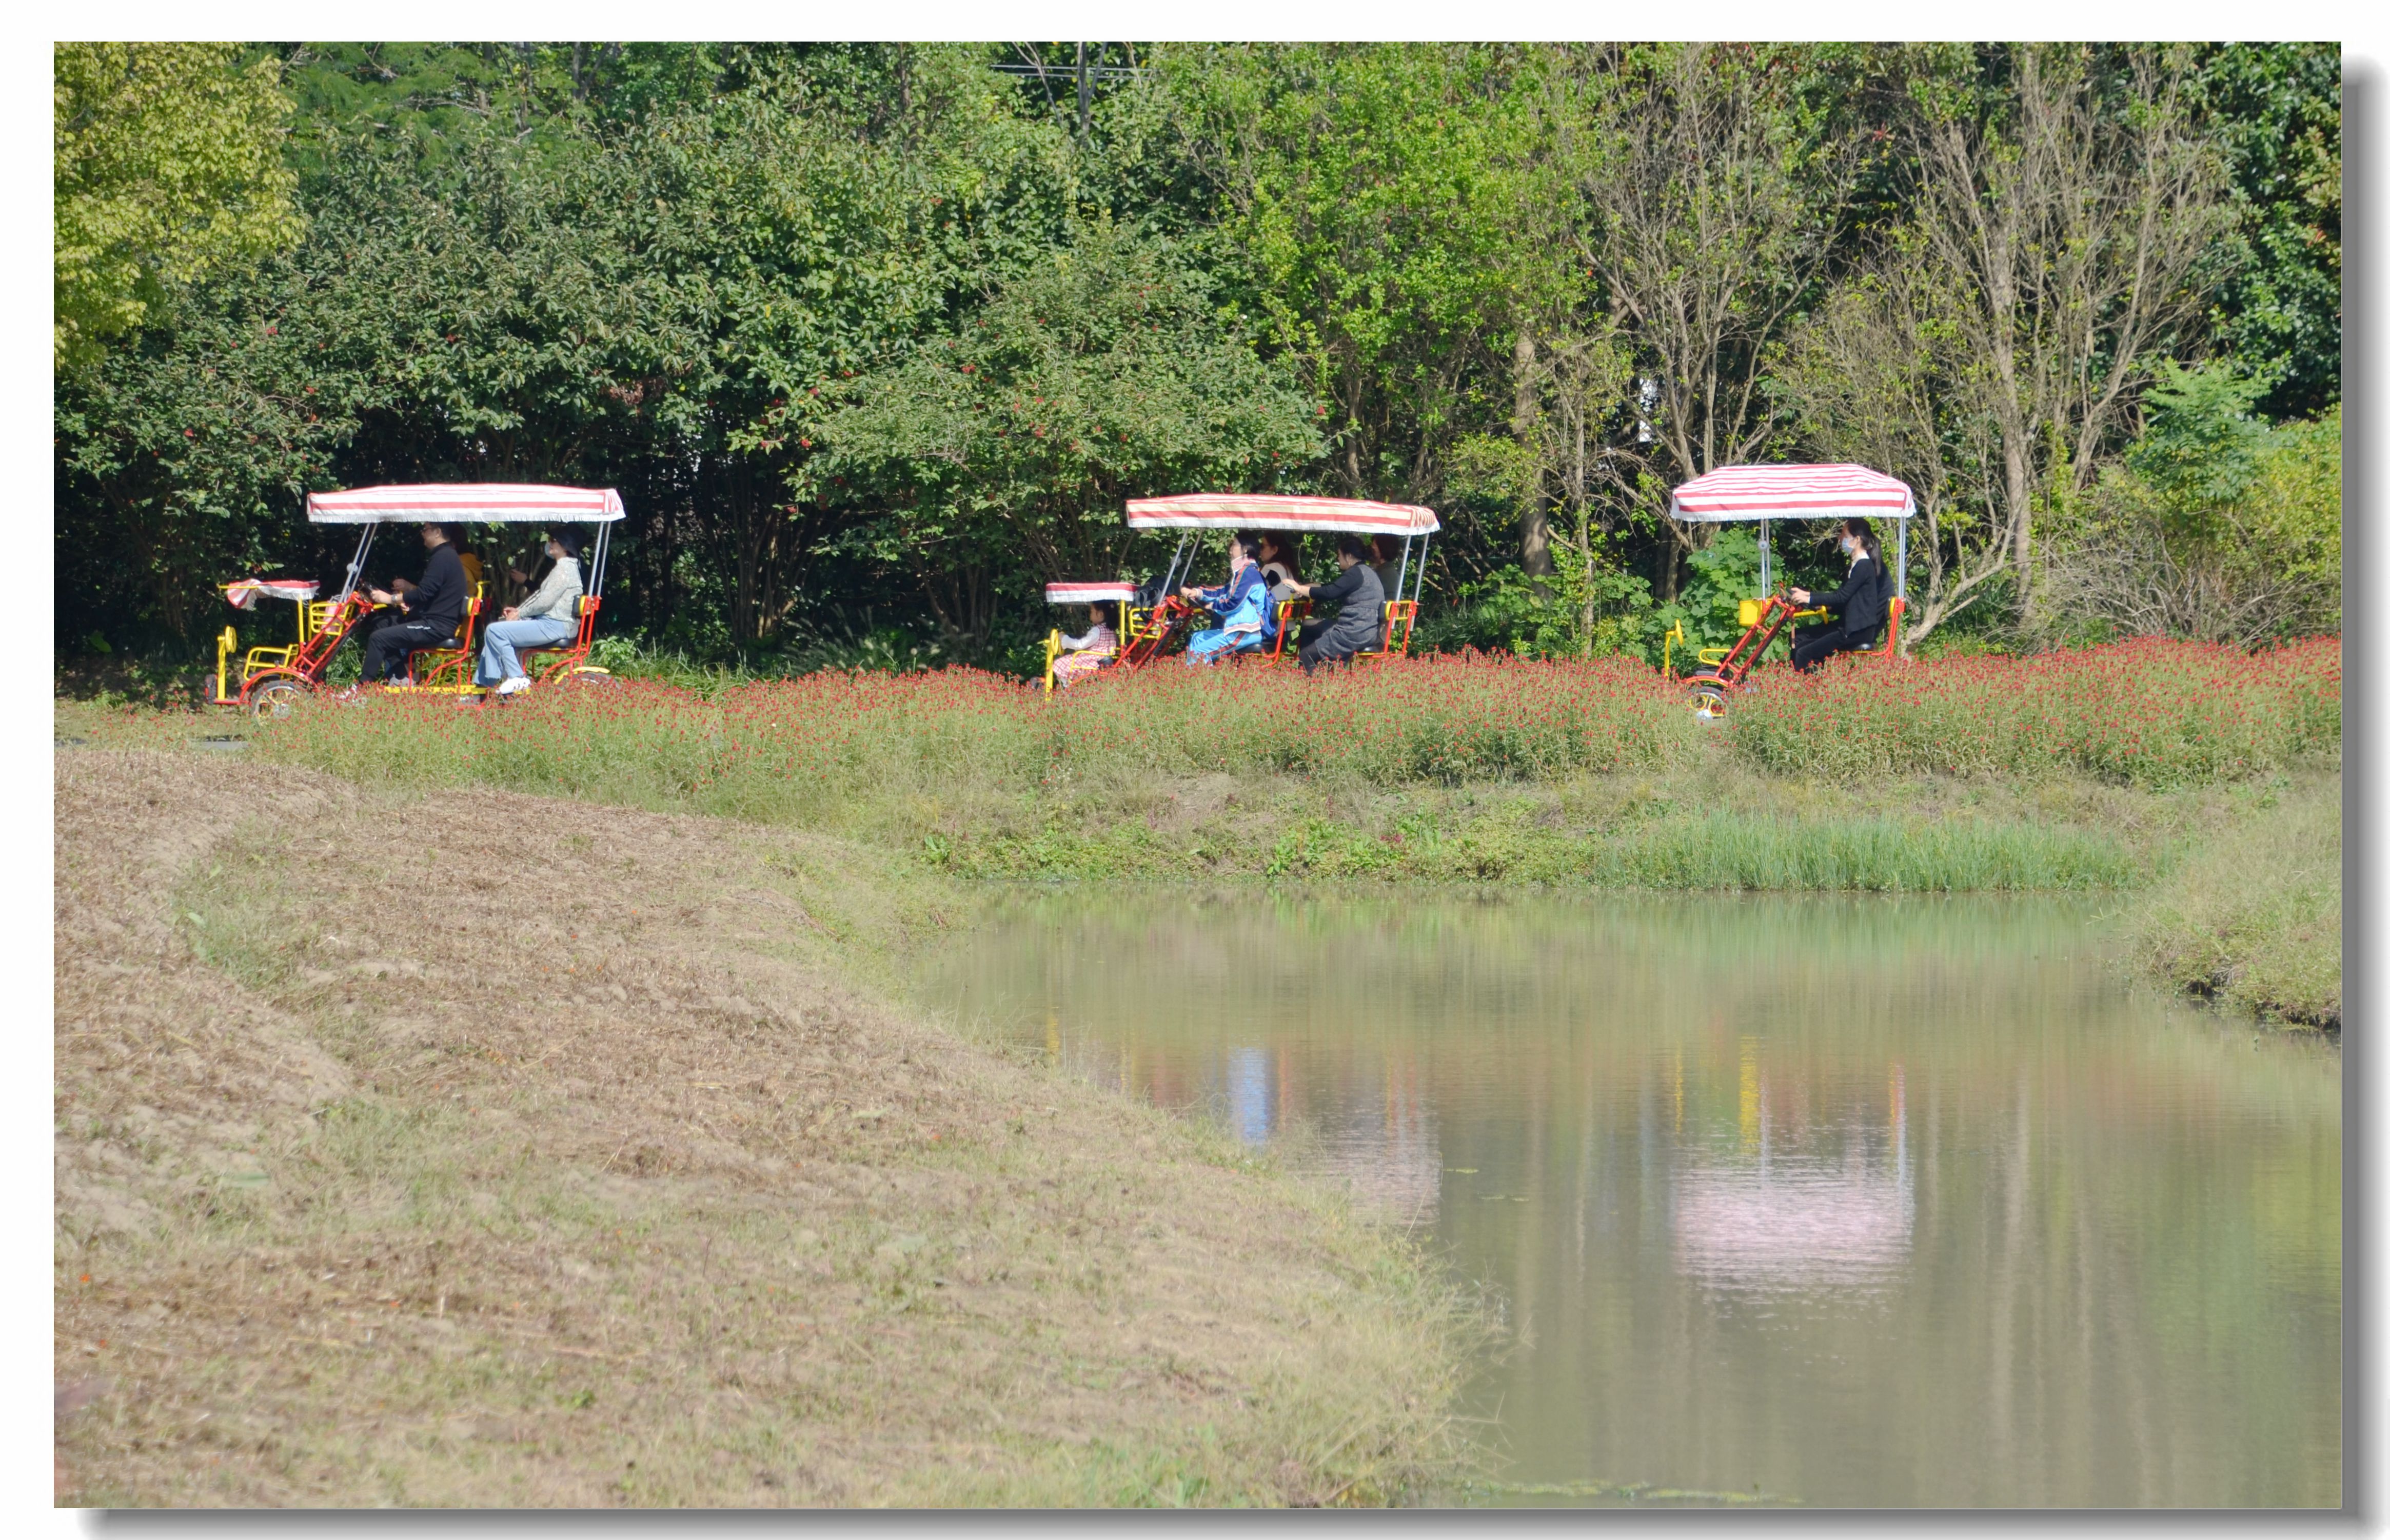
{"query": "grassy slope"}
[(572, 1168), (2252, 917)]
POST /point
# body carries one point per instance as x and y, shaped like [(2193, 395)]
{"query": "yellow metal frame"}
[(1054, 641)]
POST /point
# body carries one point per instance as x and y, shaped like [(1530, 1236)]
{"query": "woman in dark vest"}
[(1857, 610)]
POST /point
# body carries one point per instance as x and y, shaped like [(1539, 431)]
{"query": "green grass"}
[(2251, 916)]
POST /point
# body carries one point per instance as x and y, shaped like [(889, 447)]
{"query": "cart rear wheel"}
[(1708, 700), (277, 698)]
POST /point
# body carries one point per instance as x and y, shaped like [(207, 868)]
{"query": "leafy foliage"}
[(873, 339), (166, 167)]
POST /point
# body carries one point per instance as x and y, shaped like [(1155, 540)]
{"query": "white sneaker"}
[(515, 686)]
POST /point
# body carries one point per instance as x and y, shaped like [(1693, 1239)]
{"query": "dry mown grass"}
[(488, 1149)]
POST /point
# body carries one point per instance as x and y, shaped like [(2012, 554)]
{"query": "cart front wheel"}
[(1708, 700), (277, 698)]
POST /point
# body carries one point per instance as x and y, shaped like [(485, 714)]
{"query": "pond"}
[(1836, 1202)]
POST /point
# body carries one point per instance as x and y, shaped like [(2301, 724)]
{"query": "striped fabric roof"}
[(1089, 593), (1236, 510), (467, 503), (245, 593), (1733, 492)]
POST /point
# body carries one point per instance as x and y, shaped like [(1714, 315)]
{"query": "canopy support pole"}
[(1170, 573), (1763, 589), (1405, 570), (1900, 568), (598, 561), (356, 564), (1420, 582)]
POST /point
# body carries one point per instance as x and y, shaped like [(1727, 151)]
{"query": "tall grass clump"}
[(2253, 918), (2147, 712), (786, 749)]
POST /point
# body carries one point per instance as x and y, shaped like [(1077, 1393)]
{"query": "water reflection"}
[(1858, 1202)]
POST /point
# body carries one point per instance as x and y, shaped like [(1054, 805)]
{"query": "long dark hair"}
[(1285, 553), (1866, 535)]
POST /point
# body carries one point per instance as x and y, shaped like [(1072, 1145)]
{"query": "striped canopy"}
[(1237, 510), (1089, 593), (245, 593), (1734, 492), (467, 503)]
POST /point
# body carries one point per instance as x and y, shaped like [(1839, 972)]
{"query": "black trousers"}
[(387, 648), (1813, 645), (1325, 648)]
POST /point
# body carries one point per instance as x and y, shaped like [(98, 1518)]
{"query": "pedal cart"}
[(267, 681), (1146, 630), (1762, 494)]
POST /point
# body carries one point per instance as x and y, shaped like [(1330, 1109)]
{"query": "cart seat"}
[(451, 665)]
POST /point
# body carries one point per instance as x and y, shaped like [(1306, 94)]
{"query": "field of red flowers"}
[(2146, 712), (2149, 713)]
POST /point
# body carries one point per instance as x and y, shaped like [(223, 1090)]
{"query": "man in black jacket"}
[(429, 614), (1857, 606), (1362, 601)]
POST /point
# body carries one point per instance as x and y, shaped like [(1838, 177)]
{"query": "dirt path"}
[(487, 1150)]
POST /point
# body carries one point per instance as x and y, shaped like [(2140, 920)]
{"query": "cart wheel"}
[(277, 698), (585, 677), (1708, 701)]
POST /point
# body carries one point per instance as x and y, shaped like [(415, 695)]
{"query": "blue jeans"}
[(502, 637), (1205, 647)]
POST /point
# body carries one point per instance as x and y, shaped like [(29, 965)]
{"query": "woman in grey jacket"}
[(549, 616)]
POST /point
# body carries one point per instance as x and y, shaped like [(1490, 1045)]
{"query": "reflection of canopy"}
[(1091, 593), (1798, 1226), (244, 594), (1734, 494), (1236, 510), (471, 503)]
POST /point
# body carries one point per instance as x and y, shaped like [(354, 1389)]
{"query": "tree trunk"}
[(2020, 491), (1534, 522)]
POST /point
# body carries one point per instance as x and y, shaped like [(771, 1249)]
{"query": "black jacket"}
[(439, 601), (1859, 601), (1362, 608)]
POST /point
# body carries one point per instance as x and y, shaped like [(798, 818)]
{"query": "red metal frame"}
[(313, 656), (1159, 625), (452, 667), (1401, 615), (569, 655), (1730, 673)]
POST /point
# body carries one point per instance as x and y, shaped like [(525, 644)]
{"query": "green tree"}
[(999, 451), (2217, 523), (166, 167), (2274, 111), (1379, 196)]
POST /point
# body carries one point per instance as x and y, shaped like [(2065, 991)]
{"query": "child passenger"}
[(1081, 656)]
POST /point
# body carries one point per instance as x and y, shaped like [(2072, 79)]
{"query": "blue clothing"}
[(1240, 602), (500, 640), (1210, 646)]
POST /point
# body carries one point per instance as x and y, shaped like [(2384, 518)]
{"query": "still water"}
[(1838, 1201)]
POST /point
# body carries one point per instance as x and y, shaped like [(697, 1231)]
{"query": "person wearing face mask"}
[(1855, 610), (1239, 602)]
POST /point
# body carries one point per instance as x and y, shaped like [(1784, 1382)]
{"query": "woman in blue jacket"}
[(1239, 602)]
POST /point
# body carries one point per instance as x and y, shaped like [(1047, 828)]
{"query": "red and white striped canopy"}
[(245, 593), (1237, 510), (1091, 593), (467, 503), (1734, 492)]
